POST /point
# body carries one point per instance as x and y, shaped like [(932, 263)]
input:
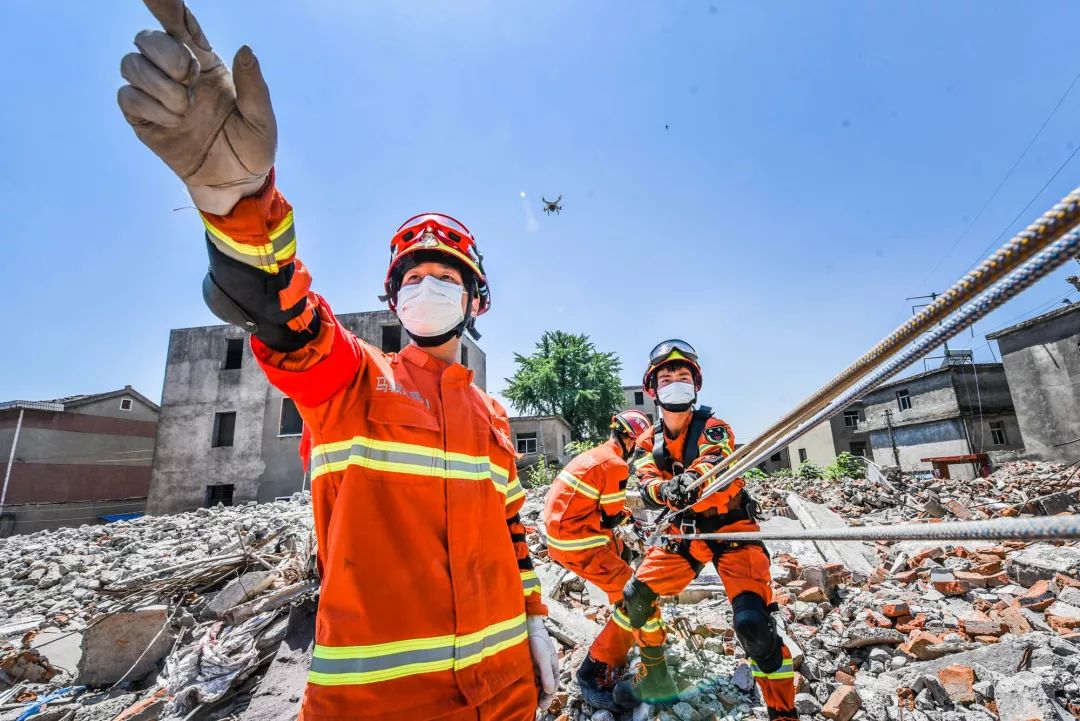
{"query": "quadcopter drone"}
[(552, 206)]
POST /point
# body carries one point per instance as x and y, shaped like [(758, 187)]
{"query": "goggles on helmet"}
[(440, 233), (672, 351), (667, 348)]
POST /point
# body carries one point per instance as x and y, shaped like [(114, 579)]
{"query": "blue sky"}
[(821, 158)]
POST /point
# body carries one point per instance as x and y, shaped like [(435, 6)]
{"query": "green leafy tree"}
[(845, 466), (568, 376), (808, 470)]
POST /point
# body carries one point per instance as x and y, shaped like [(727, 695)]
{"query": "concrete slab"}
[(126, 645), (62, 648), (858, 557)]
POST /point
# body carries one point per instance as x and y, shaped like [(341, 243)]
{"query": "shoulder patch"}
[(715, 434)]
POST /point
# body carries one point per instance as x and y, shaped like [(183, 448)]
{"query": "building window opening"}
[(851, 419), (526, 443), (802, 455), (858, 448), (224, 427), (639, 398), (464, 355), (997, 433), (221, 493), (391, 339), (234, 353), (125, 404), (774, 458), (291, 424), (903, 400)]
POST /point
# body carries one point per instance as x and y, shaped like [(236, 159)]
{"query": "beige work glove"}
[(216, 130), (545, 661)]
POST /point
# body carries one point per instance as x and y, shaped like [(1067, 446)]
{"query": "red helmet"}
[(667, 353), (632, 423), (437, 233)]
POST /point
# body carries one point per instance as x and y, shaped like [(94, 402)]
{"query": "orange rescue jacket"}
[(716, 441), (426, 578), (591, 487)]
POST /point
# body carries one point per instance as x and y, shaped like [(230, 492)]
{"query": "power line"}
[(1037, 309), (1000, 185), (1024, 209)]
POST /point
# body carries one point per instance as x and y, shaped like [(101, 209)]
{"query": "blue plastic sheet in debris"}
[(113, 517), (35, 706)]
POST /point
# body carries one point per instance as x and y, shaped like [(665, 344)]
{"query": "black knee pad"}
[(757, 631), (638, 598)]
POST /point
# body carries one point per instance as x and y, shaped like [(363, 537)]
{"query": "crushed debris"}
[(209, 615), (167, 617)]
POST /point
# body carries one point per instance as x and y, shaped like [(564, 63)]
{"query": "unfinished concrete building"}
[(537, 437), (1042, 362), (75, 460), (225, 434), (956, 411), (843, 433), (637, 399)]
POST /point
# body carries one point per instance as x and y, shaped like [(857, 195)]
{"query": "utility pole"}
[(892, 437)]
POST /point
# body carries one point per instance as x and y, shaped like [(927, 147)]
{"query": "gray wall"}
[(1043, 366), (648, 406), (260, 464), (844, 436), (950, 415), (923, 440), (932, 398), (33, 517), (550, 432), (110, 407)]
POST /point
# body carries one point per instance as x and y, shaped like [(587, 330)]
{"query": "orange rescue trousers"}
[(742, 569), (605, 567)]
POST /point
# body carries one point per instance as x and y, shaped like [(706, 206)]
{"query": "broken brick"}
[(975, 580), (935, 552), (906, 577), (908, 624), (845, 679), (1039, 597), (1062, 617), (814, 594), (958, 681), (895, 609), (842, 705), (917, 645), (952, 588)]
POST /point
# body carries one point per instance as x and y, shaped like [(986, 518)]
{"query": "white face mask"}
[(675, 394), (431, 307)]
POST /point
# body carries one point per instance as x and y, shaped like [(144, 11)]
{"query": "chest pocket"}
[(403, 441)]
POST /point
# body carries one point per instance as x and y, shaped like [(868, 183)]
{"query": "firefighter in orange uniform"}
[(586, 501), (429, 605), (685, 444)]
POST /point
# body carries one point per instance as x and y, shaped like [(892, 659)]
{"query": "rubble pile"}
[(1016, 488), (178, 617), (162, 617), (937, 632), (941, 634)]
